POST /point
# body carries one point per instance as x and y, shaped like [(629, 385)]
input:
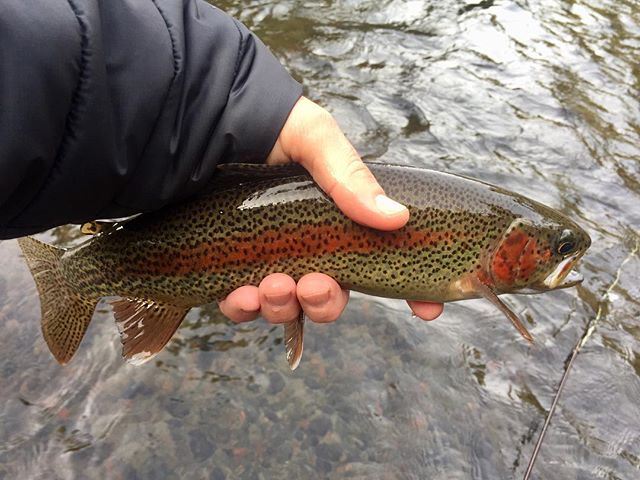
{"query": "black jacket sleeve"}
[(110, 108)]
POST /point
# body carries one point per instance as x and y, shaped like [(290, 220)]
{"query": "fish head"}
[(538, 255)]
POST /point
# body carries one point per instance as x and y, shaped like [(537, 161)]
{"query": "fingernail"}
[(388, 206), (278, 299), (317, 298)]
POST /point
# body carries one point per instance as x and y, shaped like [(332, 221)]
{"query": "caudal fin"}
[(65, 313)]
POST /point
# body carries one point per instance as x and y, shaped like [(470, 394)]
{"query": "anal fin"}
[(294, 341), (145, 327), (490, 295)]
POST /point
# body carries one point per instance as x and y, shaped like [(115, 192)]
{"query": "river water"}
[(540, 97)]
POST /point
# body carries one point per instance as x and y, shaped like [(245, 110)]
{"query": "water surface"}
[(540, 97)]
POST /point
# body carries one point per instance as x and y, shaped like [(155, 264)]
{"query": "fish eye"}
[(567, 243)]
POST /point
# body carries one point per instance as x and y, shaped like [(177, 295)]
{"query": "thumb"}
[(312, 138)]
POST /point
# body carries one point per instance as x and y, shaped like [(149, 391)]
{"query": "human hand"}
[(312, 138)]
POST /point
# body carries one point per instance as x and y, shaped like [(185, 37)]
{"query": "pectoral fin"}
[(145, 327), (294, 341), (490, 295)]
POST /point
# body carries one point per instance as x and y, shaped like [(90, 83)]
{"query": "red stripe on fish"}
[(305, 241)]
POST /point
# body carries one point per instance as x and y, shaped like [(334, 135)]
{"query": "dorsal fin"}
[(145, 327), (230, 175)]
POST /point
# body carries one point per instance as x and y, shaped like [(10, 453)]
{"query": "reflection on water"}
[(540, 97)]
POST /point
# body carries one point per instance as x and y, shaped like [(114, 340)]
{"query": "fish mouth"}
[(563, 275)]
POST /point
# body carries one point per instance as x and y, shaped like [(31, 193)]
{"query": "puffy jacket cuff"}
[(261, 98)]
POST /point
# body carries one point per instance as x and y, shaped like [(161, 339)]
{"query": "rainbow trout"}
[(464, 239)]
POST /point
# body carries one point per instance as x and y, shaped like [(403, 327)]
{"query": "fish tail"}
[(65, 313)]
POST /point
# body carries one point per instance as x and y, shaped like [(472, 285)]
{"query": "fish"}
[(464, 239)]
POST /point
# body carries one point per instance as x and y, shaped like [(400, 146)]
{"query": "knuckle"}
[(355, 168), (355, 171), (322, 116)]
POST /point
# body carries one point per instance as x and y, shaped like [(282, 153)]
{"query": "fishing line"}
[(583, 340)]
